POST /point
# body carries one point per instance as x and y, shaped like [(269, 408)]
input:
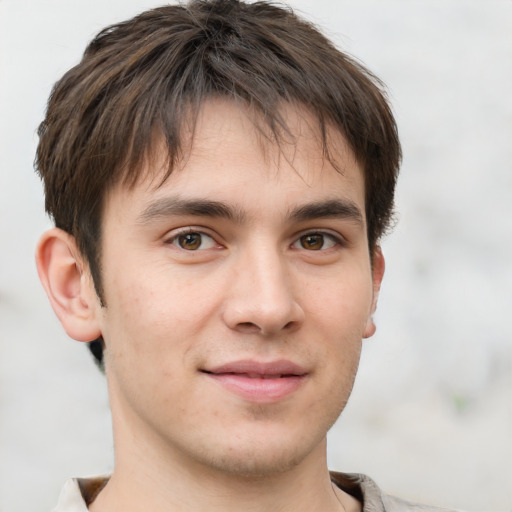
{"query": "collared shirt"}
[(78, 493)]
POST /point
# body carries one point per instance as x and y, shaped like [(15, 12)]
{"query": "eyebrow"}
[(332, 208), (173, 206)]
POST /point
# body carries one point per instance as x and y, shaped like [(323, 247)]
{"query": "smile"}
[(259, 382), (259, 376)]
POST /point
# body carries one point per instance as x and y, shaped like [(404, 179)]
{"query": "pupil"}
[(312, 242), (190, 241)]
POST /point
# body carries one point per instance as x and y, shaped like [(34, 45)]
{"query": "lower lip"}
[(258, 390)]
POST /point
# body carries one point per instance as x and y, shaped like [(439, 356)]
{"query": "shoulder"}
[(373, 498), (394, 504), (78, 493)]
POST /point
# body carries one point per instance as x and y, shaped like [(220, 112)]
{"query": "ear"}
[(68, 284), (378, 267)]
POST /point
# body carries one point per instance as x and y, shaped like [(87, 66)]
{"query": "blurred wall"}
[(430, 417)]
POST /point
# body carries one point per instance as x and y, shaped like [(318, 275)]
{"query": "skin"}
[(257, 280)]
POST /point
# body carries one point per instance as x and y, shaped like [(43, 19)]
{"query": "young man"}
[(220, 176)]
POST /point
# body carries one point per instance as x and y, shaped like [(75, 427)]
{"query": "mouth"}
[(259, 382), (255, 375)]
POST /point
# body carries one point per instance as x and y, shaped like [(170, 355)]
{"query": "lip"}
[(262, 382)]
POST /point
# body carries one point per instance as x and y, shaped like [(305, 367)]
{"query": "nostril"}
[(248, 327)]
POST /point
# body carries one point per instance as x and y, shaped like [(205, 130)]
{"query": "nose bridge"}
[(262, 296), (269, 275)]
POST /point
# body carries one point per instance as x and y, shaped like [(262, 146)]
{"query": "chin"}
[(256, 464), (261, 446), (261, 453)]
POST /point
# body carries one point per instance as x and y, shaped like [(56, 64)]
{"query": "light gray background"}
[(430, 417)]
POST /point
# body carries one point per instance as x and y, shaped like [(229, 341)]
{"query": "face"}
[(237, 295)]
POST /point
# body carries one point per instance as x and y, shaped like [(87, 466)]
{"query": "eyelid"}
[(337, 237), (171, 236)]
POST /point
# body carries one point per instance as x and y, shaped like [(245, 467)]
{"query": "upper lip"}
[(272, 368)]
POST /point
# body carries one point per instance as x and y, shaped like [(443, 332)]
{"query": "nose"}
[(261, 298)]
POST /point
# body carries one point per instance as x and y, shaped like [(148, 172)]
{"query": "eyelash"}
[(174, 239), (337, 240)]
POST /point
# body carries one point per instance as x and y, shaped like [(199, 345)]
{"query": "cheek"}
[(342, 304), (154, 315), (133, 318), (338, 317)]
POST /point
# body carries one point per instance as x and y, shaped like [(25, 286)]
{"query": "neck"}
[(170, 487), (139, 482)]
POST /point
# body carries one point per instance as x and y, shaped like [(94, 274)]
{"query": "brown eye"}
[(317, 241), (190, 241), (193, 241), (312, 242)]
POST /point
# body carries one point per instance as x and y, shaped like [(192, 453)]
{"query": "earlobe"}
[(378, 268), (68, 284)]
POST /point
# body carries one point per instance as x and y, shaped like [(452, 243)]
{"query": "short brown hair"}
[(152, 71)]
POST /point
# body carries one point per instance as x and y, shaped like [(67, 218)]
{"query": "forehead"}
[(230, 151)]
